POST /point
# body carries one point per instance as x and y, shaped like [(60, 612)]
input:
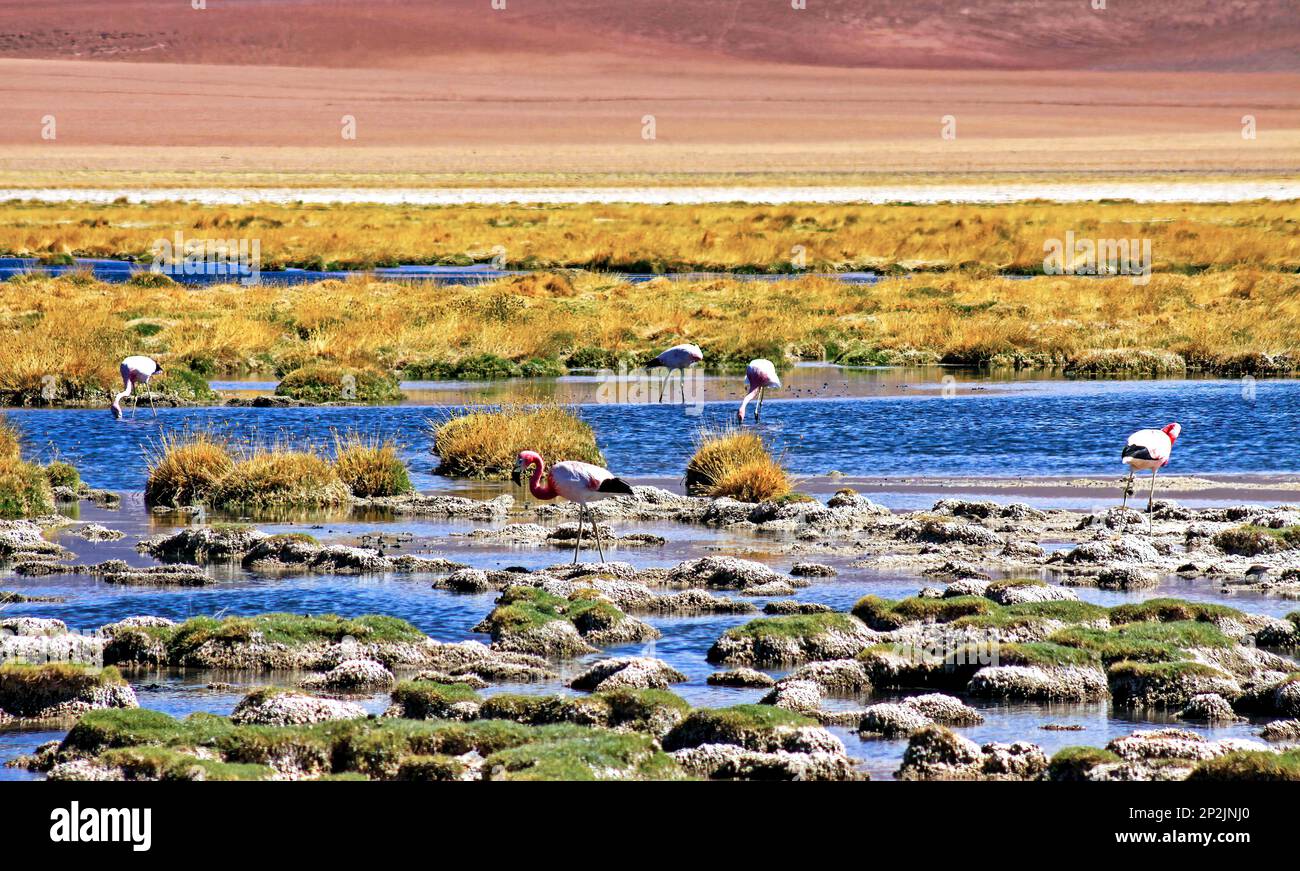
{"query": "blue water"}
[(479, 273), (1034, 428)]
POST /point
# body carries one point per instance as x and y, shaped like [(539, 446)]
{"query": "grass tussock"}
[(200, 467), (485, 443), (24, 489), (735, 464), (62, 474), (11, 440), (277, 477), (184, 468), (1249, 540), (370, 466)]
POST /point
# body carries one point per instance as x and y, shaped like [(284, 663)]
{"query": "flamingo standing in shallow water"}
[(678, 358), (578, 482), (1148, 449), (135, 370), (759, 375)]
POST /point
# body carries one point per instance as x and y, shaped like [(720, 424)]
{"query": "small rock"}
[(1209, 708), (284, 708), (741, 677), (635, 672), (813, 570)]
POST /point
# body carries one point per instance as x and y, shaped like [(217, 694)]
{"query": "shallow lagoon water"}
[(1013, 428), (1028, 428)]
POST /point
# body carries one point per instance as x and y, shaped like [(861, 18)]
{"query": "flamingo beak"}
[(117, 412)]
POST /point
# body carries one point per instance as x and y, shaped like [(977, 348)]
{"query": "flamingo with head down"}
[(582, 483), (135, 370), (678, 358), (759, 375)]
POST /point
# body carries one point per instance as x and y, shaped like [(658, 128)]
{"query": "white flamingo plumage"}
[(135, 370), (759, 375), (678, 358), (1148, 449), (578, 482)]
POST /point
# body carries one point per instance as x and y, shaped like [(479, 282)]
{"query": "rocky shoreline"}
[(997, 617)]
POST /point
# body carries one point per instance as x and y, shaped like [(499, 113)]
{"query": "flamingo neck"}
[(536, 486)]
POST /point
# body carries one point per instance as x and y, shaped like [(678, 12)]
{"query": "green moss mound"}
[(426, 700), (179, 645), (886, 615), (520, 609), (596, 756), (743, 725), (1251, 765), (1144, 642), (793, 626), (325, 383), (1167, 610), (61, 474), (1251, 540), (1073, 763), (24, 490), (149, 745)]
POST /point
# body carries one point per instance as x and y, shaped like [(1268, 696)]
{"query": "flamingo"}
[(1148, 449), (135, 370), (759, 375), (578, 482), (677, 358)]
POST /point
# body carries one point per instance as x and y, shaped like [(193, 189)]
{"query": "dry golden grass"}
[(369, 466), (184, 467), (486, 443), (735, 464), (198, 466), (645, 238), (276, 477), (1223, 296), (1234, 320), (10, 440), (24, 489)]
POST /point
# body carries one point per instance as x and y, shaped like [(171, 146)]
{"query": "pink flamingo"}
[(575, 481), (677, 358), (135, 370), (759, 375), (1148, 449)]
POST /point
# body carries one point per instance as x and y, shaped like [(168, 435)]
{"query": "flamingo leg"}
[(595, 527), (681, 376), (152, 407), (664, 383), (759, 410), (1128, 488), (1152, 500), (578, 544)]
